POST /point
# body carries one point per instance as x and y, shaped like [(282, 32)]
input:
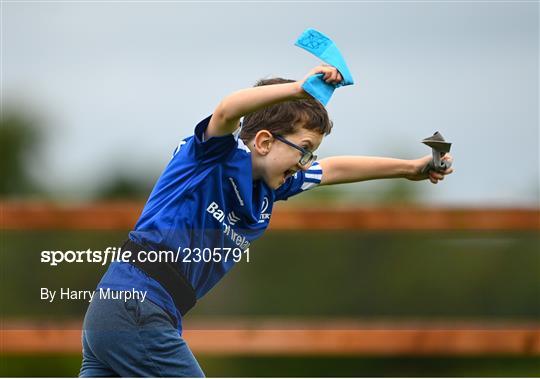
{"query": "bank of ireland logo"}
[(264, 216), (232, 218), (240, 240)]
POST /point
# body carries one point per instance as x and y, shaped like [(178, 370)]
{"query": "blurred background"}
[(387, 278)]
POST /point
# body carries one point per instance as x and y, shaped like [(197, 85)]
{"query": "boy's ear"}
[(263, 142)]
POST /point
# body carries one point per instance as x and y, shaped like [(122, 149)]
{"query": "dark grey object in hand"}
[(439, 148)]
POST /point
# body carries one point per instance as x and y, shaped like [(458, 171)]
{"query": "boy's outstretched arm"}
[(350, 169), (226, 116)]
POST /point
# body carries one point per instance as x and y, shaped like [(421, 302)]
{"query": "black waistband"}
[(167, 274)]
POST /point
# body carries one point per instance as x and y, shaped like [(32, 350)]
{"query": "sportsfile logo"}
[(219, 215)]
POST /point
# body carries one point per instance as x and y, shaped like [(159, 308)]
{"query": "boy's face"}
[(277, 160)]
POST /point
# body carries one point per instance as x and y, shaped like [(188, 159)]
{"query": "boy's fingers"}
[(330, 73), (436, 175), (448, 158)]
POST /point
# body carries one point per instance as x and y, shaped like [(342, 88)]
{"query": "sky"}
[(118, 84)]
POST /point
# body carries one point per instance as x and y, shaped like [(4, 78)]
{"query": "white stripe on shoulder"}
[(308, 185), (236, 134), (242, 145), (313, 176)]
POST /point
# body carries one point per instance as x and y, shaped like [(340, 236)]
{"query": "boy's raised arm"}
[(226, 116)]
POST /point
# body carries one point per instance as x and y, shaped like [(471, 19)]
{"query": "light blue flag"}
[(322, 47)]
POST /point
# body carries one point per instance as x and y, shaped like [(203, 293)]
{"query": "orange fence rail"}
[(303, 338), (118, 216)]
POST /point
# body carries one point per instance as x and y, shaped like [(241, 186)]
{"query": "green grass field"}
[(65, 366)]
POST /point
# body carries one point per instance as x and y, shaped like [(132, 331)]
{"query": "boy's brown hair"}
[(283, 118)]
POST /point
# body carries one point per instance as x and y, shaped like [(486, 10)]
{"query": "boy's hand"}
[(331, 74), (433, 176)]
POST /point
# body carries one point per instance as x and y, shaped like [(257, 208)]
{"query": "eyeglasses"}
[(307, 156)]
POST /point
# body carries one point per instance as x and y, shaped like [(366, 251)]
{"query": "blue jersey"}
[(205, 198)]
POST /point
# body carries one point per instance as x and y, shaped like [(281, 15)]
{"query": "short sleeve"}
[(300, 182), (215, 148)]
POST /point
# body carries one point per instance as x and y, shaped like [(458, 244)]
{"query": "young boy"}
[(216, 193)]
